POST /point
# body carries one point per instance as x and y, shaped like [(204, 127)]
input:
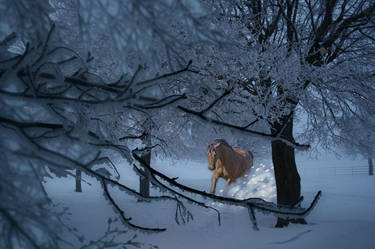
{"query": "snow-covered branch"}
[(292, 211), (245, 129)]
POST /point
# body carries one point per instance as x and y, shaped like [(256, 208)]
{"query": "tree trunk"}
[(286, 175), (78, 180), (370, 167), (144, 183)]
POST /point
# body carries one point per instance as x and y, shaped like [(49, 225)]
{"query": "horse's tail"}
[(252, 157), (251, 154)]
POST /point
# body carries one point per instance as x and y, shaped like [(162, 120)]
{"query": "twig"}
[(122, 213)]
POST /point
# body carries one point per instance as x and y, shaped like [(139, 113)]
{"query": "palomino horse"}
[(227, 162)]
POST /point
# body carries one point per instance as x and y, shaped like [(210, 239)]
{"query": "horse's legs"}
[(213, 183), (228, 182)]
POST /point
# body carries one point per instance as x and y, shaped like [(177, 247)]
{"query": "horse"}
[(227, 162)]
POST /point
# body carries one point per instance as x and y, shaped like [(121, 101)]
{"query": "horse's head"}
[(212, 156)]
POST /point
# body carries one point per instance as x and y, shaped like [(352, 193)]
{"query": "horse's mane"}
[(221, 141), (226, 150)]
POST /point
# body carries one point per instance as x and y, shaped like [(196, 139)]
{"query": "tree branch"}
[(122, 213), (244, 129)]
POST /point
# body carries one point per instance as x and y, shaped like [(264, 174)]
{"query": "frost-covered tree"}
[(135, 30), (356, 136), (118, 35), (113, 32), (59, 115), (281, 57), (51, 117)]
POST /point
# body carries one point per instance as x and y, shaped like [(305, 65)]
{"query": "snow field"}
[(343, 218)]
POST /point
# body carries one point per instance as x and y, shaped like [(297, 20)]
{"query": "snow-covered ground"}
[(344, 217)]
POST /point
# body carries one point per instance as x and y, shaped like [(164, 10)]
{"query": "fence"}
[(321, 171)]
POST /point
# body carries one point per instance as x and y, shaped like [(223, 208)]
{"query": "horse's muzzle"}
[(211, 167)]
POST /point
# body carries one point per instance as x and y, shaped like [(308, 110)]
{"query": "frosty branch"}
[(245, 129)]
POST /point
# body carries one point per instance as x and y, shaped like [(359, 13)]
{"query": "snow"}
[(343, 218)]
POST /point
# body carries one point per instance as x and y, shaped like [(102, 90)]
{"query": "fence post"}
[(78, 180), (370, 167)]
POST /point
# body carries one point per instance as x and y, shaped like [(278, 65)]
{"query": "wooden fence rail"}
[(344, 170)]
